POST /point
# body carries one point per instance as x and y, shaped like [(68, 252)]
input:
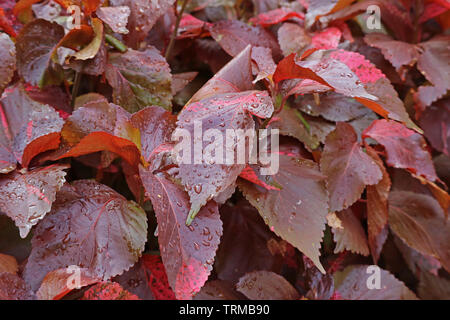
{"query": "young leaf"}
[(35, 46), (348, 233), (90, 226), (327, 39), (187, 252), (7, 61), (202, 177), (28, 128), (217, 290), (405, 148), (108, 291), (269, 18), (28, 196), (351, 285), (140, 79), (347, 167), (297, 212), (265, 285), (59, 283), (419, 221)]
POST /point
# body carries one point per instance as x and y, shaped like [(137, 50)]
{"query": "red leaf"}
[(157, 277), (191, 27), (28, 128), (108, 291), (327, 39), (90, 226), (347, 167), (187, 252), (405, 148), (7, 61), (267, 19)]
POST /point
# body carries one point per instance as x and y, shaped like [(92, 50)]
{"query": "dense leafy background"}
[(87, 177)]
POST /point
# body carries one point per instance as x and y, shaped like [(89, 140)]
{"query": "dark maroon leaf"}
[(35, 45), (28, 128), (234, 36), (90, 226), (347, 167), (115, 17), (157, 277), (292, 38), (28, 196), (136, 281), (187, 251), (205, 177), (266, 285), (297, 212), (218, 290), (405, 148), (420, 222), (435, 122)]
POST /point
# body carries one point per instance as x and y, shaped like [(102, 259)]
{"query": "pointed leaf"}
[(91, 226), (347, 167), (269, 18)]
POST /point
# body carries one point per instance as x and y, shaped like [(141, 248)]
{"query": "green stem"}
[(116, 43), (175, 30), (303, 120)]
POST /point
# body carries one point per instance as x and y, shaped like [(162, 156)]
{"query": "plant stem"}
[(116, 43), (175, 30), (76, 87)]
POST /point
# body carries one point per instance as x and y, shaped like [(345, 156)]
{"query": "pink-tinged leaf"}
[(348, 169), (155, 126), (35, 46), (319, 8), (187, 251), (433, 63), (218, 290), (234, 36), (27, 129), (325, 70), (59, 283), (387, 104), (398, 53), (157, 277), (191, 27), (348, 232), (435, 122), (140, 79), (433, 9), (53, 96), (14, 288), (269, 18), (405, 148), (245, 243), (115, 17), (420, 222), (292, 38), (297, 212), (234, 77), (377, 208), (90, 226), (143, 16), (108, 291), (327, 39), (7, 61), (351, 285), (266, 285), (8, 264), (28, 196), (203, 174)]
